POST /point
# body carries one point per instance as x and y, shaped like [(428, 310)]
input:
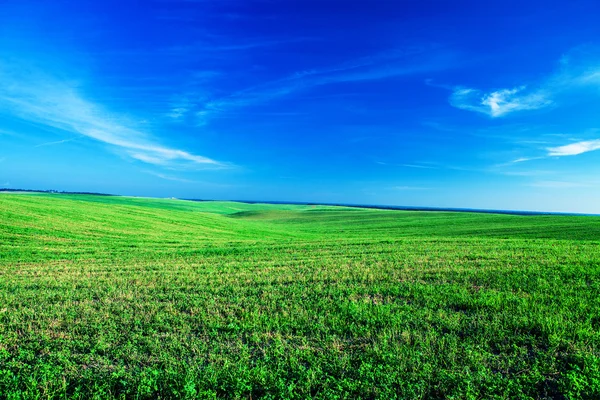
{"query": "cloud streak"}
[(43, 100), (170, 177), (574, 149), (411, 188), (173, 178), (500, 102), (558, 184), (419, 166), (389, 64), (55, 142), (208, 47), (580, 68)]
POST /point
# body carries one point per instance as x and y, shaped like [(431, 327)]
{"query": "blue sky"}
[(418, 103)]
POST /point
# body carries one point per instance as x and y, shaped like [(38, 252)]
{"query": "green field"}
[(104, 297)]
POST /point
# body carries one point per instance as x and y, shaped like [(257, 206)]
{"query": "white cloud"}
[(40, 99), (163, 155), (500, 102), (505, 101), (578, 69), (178, 112), (521, 160), (574, 148)]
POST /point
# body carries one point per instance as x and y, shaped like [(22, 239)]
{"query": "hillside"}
[(115, 296)]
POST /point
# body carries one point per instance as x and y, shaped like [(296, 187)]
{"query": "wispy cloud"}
[(214, 47), (500, 102), (410, 188), (8, 133), (169, 177), (523, 159), (523, 173), (197, 183), (579, 68), (47, 101), (394, 63), (438, 126), (558, 184), (56, 142), (575, 148), (519, 161), (237, 46), (420, 166)]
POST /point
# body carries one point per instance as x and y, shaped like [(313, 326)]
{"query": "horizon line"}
[(334, 204)]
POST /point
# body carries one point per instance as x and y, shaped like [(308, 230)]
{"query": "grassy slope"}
[(138, 297)]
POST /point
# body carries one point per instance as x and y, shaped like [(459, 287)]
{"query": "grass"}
[(114, 297)]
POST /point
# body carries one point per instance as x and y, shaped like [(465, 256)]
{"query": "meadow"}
[(116, 297)]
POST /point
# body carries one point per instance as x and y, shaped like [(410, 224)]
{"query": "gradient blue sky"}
[(420, 103)]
